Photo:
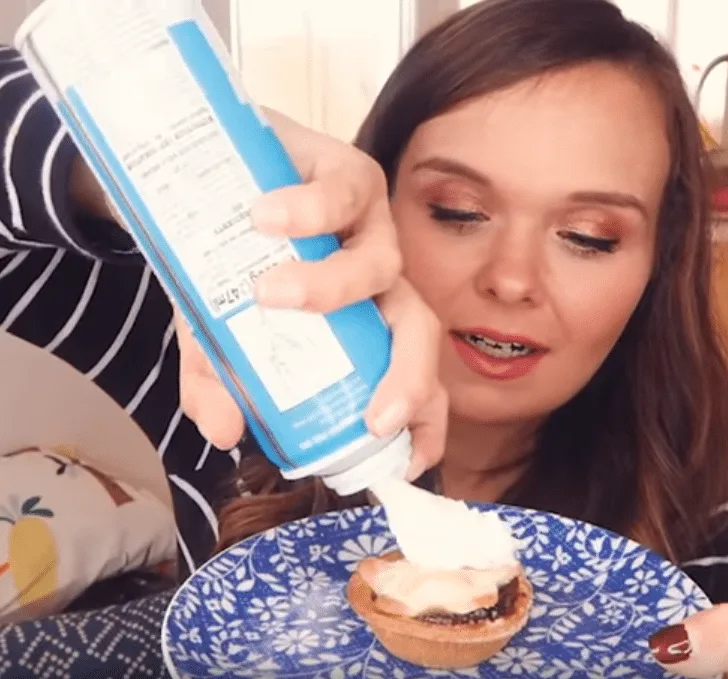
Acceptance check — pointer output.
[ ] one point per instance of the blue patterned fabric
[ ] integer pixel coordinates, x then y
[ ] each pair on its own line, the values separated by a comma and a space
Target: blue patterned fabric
119, 642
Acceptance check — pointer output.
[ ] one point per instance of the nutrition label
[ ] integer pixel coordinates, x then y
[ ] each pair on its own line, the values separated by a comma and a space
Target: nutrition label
179, 157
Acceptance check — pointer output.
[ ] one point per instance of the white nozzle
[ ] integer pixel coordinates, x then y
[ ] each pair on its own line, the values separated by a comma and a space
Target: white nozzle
390, 461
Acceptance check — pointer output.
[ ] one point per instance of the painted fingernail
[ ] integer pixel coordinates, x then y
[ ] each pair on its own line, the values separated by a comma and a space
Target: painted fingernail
671, 645
280, 292
269, 216
392, 419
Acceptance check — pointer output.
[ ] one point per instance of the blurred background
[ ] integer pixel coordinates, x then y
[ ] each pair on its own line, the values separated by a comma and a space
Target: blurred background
323, 61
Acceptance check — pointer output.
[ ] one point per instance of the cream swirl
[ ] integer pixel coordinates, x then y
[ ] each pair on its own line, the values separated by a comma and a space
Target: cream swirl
440, 534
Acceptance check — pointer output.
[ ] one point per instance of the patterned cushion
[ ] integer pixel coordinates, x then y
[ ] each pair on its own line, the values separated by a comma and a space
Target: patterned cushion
120, 642
65, 525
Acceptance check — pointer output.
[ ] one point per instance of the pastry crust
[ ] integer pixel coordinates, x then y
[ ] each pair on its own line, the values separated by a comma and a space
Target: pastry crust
439, 646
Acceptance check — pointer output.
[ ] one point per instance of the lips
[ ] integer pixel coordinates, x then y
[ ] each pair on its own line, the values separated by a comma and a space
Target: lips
502, 338
496, 355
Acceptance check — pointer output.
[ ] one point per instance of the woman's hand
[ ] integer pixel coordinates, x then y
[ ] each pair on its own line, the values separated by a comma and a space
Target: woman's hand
696, 648
344, 193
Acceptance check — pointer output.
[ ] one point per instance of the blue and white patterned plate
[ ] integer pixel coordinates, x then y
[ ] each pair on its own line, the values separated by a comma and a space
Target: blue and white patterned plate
275, 605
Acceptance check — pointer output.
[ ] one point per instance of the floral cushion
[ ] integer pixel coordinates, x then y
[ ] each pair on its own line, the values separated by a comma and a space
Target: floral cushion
65, 525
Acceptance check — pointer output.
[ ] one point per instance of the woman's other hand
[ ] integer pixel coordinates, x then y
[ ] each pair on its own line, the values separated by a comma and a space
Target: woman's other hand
697, 647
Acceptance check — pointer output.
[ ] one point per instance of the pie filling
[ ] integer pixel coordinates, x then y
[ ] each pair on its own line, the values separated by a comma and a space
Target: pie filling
507, 597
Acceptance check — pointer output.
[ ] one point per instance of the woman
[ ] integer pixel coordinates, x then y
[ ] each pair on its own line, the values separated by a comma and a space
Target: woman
548, 185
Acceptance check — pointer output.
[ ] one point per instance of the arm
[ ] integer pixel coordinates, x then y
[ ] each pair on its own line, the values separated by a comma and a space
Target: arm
48, 197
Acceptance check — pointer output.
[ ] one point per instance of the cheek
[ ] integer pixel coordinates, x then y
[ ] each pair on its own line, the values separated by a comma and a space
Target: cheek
430, 266
595, 312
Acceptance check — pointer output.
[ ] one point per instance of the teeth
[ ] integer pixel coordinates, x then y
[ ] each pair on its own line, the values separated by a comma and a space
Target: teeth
490, 347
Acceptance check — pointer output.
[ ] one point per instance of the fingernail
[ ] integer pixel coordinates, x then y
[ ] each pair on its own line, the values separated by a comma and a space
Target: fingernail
269, 216
280, 292
392, 419
671, 645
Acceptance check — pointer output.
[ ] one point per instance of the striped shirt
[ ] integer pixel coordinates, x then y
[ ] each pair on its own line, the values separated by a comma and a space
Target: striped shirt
77, 287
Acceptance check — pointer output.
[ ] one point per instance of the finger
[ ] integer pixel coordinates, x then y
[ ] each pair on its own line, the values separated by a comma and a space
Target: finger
349, 275
345, 201
208, 404
698, 647
203, 397
326, 204
429, 431
315, 153
412, 374
410, 393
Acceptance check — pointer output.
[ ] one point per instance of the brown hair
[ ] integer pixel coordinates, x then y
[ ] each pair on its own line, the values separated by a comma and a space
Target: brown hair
642, 449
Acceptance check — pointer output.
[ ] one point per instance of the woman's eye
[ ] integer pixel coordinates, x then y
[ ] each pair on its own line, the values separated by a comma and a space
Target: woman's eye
459, 219
589, 244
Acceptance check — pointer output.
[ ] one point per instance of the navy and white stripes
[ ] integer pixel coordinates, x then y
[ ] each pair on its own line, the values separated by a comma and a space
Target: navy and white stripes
75, 286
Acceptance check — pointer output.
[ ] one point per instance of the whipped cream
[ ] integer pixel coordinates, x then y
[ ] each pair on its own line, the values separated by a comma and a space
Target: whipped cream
406, 589
440, 534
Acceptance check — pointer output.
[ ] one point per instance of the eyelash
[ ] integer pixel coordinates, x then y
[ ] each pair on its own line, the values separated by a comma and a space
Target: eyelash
588, 245
461, 220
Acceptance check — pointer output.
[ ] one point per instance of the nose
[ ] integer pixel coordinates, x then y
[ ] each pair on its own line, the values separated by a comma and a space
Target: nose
511, 272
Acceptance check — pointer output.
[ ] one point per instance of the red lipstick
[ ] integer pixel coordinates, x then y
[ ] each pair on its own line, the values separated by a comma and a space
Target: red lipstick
494, 367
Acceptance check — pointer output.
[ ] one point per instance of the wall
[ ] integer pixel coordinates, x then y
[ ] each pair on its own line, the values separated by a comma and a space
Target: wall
697, 32
323, 61
295, 76
12, 12
314, 59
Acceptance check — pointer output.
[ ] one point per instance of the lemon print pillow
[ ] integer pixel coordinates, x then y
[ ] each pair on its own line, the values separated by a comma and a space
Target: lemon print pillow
65, 525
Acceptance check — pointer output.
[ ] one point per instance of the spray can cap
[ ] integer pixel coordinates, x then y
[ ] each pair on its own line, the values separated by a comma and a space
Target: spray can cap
392, 460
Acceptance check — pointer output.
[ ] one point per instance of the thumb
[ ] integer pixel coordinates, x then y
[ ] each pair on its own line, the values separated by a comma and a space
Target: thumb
203, 397
697, 647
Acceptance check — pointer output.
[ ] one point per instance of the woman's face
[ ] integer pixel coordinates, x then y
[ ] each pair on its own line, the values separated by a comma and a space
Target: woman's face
527, 221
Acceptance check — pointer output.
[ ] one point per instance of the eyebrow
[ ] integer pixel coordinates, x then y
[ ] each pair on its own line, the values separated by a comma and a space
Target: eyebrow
608, 198
448, 166
611, 199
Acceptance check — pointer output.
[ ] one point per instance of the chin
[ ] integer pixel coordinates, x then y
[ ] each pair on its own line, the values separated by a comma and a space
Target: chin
490, 402
482, 408
488, 407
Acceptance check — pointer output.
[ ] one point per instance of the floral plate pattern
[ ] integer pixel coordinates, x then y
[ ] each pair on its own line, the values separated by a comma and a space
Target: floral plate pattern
275, 605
